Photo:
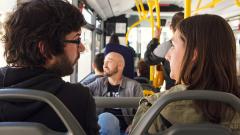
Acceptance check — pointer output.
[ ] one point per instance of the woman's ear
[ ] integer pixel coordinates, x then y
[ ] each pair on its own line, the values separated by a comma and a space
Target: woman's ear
195, 55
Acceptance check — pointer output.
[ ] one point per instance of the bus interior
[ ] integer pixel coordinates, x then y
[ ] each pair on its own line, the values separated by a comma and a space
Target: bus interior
133, 21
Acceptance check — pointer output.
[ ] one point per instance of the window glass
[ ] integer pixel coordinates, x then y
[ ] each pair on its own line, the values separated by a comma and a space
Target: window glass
6, 7
98, 24
87, 16
84, 62
237, 35
98, 42
132, 38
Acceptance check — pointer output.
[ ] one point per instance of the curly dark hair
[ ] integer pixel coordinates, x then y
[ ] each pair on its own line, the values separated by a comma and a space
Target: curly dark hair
45, 22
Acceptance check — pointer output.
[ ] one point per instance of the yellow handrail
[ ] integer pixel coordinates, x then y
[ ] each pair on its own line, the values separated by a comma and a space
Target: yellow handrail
138, 8
158, 13
153, 68
152, 26
144, 12
237, 2
143, 16
187, 11
131, 27
211, 4
150, 6
198, 4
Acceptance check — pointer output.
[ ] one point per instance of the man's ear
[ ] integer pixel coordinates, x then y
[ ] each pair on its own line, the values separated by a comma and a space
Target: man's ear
41, 48
93, 65
122, 65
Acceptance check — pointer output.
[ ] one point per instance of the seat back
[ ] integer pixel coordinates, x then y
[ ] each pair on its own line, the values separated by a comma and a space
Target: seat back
29, 128
145, 122
119, 102
197, 129
25, 128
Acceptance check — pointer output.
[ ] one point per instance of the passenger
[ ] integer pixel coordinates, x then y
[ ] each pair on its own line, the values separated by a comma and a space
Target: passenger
128, 55
142, 72
114, 39
98, 69
42, 44
155, 53
202, 57
116, 85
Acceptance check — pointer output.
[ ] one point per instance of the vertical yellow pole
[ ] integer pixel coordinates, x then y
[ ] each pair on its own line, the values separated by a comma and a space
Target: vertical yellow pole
152, 26
187, 8
198, 4
142, 9
157, 76
158, 13
138, 8
151, 16
237, 2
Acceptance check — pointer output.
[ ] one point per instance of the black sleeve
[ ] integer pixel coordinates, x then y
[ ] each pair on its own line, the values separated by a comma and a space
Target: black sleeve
92, 127
149, 57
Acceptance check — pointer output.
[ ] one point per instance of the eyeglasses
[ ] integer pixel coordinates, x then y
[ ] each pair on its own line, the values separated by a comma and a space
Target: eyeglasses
78, 41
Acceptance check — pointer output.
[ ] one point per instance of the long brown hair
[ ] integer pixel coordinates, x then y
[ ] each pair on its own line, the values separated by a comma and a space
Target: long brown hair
215, 66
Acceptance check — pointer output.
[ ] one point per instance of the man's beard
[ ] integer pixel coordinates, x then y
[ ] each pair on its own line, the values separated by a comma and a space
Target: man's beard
111, 73
63, 66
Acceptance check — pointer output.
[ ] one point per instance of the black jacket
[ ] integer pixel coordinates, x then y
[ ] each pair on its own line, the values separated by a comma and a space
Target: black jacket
75, 97
151, 59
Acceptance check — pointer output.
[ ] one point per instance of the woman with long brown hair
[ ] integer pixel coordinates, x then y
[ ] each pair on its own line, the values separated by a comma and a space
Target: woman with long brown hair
202, 56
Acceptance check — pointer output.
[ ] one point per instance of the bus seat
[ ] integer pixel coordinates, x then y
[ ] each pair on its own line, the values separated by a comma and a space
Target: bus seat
120, 102
32, 128
25, 128
197, 129
145, 122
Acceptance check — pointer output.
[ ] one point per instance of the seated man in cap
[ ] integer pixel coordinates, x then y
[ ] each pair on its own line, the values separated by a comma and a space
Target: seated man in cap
128, 55
114, 84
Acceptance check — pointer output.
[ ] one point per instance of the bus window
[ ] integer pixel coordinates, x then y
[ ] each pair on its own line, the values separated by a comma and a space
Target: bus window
84, 62
87, 16
98, 43
145, 38
132, 39
238, 52
6, 7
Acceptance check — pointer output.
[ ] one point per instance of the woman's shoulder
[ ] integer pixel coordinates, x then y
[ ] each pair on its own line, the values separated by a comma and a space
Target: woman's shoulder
176, 88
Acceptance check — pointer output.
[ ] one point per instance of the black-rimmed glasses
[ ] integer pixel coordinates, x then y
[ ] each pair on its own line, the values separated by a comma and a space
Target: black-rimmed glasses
78, 41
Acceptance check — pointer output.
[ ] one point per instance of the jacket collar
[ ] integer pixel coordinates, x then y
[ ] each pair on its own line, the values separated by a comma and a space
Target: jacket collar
122, 84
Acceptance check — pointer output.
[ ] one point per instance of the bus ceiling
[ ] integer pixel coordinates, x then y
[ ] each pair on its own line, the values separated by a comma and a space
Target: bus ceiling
109, 8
